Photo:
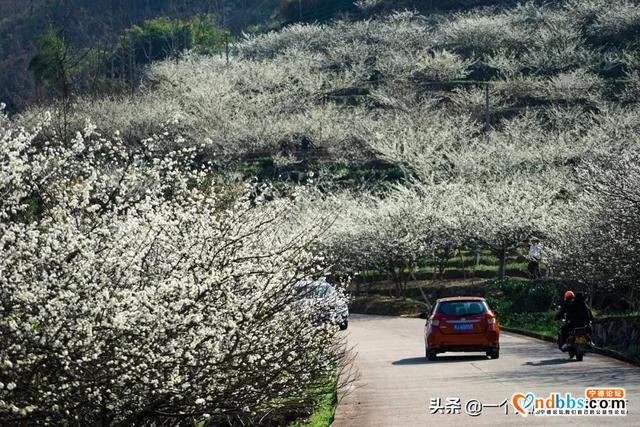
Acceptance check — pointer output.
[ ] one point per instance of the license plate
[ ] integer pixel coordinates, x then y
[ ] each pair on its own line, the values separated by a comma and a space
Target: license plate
581, 340
463, 326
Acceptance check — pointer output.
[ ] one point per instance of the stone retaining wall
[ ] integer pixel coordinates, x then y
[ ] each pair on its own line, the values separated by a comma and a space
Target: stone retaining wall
618, 333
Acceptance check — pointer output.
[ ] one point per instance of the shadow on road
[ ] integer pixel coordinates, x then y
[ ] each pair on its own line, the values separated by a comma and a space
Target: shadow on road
441, 359
549, 362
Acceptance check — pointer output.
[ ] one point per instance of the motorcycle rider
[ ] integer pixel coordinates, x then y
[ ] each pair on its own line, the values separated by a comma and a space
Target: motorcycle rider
576, 314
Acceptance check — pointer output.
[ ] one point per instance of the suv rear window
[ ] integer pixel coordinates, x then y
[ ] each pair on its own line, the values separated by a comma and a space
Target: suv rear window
315, 289
461, 308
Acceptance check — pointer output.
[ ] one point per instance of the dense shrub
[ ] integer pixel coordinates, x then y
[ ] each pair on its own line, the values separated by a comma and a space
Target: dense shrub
143, 292
528, 297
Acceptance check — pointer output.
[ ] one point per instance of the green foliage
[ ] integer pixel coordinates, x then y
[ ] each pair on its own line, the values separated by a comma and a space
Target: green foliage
50, 64
461, 265
34, 209
500, 306
542, 322
314, 10
206, 37
162, 38
88, 48
526, 305
324, 408
388, 306
527, 296
620, 315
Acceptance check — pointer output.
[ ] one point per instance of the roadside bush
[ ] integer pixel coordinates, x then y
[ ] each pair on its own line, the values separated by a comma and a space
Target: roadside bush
541, 322
387, 306
528, 297
500, 306
141, 295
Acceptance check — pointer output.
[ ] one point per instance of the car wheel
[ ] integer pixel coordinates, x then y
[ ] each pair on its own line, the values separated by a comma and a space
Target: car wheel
344, 325
494, 353
431, 355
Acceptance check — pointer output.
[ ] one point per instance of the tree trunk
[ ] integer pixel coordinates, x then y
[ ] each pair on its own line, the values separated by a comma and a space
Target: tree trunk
464, 267
398, 282
502, 259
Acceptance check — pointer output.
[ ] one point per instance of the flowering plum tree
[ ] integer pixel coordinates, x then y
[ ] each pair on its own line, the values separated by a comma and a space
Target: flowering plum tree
599, 244
500, 215
134, 289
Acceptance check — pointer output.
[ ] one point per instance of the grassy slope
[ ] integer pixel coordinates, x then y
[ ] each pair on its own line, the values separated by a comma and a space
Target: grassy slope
323, 410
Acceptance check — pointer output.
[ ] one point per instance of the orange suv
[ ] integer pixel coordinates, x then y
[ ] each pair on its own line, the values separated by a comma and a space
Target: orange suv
461, 324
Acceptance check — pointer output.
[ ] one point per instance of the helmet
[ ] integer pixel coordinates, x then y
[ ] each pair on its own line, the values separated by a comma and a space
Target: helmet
569, 295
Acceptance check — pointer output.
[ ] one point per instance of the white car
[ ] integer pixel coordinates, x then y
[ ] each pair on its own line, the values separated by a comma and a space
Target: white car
336, 304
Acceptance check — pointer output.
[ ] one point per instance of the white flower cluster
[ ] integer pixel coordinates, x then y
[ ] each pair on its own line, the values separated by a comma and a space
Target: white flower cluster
134, 288
599, 243
419, 222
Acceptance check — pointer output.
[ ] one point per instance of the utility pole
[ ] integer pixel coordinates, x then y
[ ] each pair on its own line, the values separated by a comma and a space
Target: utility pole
300, 8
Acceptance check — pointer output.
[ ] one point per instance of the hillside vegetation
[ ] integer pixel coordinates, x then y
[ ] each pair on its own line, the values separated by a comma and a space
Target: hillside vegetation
503, 122
101, 37
93, 31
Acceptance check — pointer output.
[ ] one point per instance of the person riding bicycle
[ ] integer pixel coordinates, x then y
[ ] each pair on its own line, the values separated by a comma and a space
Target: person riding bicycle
576, 314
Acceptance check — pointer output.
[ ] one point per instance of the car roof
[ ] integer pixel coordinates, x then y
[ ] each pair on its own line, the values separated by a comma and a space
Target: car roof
312, 283
449, 299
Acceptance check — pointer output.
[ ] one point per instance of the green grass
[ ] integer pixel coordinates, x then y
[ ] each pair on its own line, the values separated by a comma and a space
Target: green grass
458, 265
387, 306
314, 163
542, 322
616, 315
324, 410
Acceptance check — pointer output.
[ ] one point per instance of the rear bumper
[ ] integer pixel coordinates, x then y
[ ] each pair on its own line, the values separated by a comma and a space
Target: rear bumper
440, 342
464, 348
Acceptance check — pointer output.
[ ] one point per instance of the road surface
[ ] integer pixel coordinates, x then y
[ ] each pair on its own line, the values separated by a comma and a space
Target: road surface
396, 383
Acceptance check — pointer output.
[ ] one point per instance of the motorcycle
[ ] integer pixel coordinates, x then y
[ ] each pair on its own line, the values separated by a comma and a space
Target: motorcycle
579, 342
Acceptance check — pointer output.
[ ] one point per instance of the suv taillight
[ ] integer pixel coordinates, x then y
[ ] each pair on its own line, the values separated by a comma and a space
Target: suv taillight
491, 319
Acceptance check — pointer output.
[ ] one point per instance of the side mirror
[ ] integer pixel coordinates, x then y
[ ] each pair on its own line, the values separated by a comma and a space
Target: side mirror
423, 315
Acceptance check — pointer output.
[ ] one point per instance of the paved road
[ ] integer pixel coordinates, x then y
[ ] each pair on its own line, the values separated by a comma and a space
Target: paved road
396, 381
